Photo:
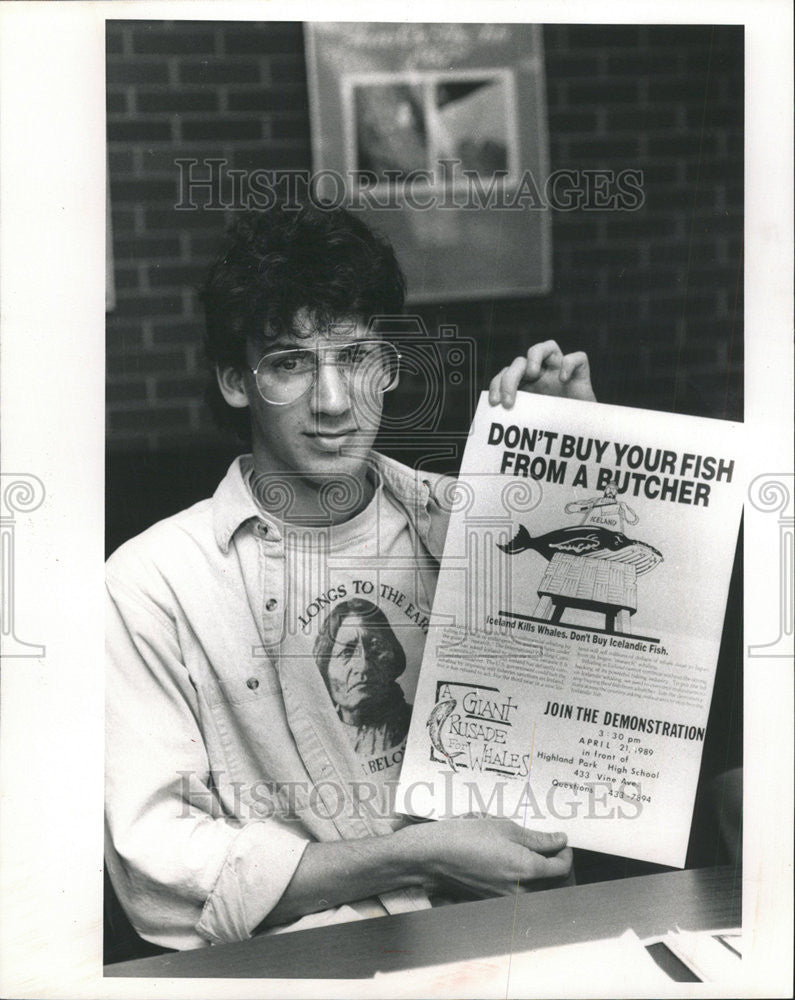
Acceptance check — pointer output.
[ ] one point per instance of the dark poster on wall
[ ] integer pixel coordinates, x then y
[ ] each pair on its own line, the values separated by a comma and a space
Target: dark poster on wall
438, 133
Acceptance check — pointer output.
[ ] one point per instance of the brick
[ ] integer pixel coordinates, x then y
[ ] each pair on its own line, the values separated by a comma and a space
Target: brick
123, 333
221, 129
114, 38
687, 305
149, 71
163, 161
124, 391
641, 119
659, 172
644, 62
674, 89
203, 247
578, 226
614, 310
293, 98
722, 62
126, 276
608, 149
627, 277
173, 221
123, 219
173, 275
184, 37
116, 102
584, 256
185, 387
178, 332
633, 226
290, 128
213, 71
147, 305
679, 36
144, 190
677, 252
692, 144
713, 170
146, 247
710, 275
265, 157
137, 131
572, 121
142, 418
287, 69
598, 92
149, 101
265, 38
715, 115
120, 161
668, 197
175, 439
601, 36
147, 363
560, 66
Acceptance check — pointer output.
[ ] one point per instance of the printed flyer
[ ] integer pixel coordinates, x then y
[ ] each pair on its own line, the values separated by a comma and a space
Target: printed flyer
570, 660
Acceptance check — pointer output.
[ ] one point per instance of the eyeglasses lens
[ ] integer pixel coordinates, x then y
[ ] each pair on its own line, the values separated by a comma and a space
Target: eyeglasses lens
369, 367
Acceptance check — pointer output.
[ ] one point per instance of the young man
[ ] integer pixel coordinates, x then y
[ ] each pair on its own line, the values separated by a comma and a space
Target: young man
236, 799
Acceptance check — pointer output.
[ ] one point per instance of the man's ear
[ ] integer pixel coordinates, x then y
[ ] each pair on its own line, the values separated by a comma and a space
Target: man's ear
231, 382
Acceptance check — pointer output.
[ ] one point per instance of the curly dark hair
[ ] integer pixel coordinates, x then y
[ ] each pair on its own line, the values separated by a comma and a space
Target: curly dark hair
275, 262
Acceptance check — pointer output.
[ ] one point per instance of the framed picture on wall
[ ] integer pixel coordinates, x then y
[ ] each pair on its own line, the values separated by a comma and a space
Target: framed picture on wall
438, 132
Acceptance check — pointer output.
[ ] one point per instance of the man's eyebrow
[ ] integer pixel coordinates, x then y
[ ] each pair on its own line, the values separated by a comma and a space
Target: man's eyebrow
283, 345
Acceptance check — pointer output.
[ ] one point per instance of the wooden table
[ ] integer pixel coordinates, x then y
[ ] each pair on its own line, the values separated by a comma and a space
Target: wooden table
702, 899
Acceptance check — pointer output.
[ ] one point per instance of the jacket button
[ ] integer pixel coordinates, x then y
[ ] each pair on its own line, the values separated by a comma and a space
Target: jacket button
252, 683
271, 604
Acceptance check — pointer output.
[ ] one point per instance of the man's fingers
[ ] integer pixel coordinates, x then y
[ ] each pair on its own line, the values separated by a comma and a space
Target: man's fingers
494, 388
542, 842
574, 365
510, 378
557, 866
540, 356
545, 370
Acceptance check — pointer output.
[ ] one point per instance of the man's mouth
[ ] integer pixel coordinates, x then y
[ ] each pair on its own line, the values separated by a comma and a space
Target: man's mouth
331, 439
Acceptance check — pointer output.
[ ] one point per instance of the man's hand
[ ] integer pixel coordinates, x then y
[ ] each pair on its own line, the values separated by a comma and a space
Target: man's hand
545, 369
485, 856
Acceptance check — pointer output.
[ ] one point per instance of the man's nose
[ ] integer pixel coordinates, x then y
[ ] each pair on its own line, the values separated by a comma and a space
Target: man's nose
330, 393
357, 662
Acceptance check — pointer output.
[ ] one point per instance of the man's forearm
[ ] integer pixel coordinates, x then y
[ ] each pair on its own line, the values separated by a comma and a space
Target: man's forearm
329, 874
482, 856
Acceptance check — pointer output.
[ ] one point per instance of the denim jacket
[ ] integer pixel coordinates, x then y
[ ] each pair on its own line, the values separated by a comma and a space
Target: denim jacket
221, 762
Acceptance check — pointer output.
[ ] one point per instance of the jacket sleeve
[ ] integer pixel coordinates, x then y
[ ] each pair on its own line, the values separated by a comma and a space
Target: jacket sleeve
185, 873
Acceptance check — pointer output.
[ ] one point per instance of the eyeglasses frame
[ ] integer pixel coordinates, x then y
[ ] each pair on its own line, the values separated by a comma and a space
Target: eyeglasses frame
315, 350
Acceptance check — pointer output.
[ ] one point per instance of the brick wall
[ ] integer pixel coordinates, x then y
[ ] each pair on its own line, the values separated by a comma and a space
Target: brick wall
654, 296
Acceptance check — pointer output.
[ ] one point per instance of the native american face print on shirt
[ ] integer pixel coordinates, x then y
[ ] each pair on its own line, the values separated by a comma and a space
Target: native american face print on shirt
360, 659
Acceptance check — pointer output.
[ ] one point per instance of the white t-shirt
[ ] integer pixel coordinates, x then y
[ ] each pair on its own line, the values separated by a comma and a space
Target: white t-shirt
358, 608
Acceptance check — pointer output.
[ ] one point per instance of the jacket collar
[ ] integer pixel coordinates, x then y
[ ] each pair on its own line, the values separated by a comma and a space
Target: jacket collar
233, 503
